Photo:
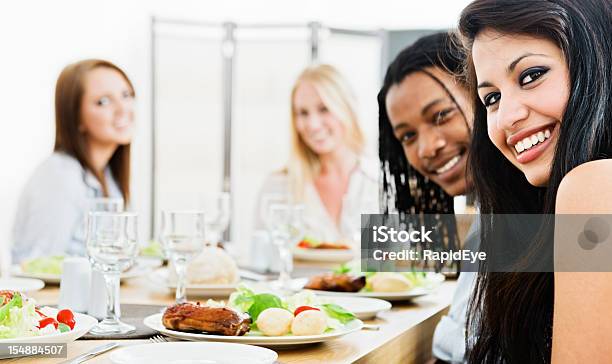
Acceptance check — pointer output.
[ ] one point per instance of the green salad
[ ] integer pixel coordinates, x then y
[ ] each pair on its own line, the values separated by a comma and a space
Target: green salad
300, 314
43, 265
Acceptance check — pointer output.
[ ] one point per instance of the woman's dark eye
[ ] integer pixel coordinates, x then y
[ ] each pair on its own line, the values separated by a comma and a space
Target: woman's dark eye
407, 137
303, 113
323, 109
127, 94
103, 101
443, 116
530, 75
491, 99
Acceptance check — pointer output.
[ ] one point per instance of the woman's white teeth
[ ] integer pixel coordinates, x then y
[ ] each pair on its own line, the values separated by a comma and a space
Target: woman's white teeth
532, 140
450, 164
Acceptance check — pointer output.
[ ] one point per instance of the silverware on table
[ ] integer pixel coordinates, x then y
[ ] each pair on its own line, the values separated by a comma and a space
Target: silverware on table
371, 327
91, 353
157, 339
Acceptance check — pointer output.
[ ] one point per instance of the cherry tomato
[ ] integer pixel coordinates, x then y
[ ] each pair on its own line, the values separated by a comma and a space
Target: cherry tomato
304, 308
66, 317
47, 321
304, 244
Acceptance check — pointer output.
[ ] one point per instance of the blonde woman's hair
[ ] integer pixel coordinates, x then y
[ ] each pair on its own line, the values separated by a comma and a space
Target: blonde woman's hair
338, 97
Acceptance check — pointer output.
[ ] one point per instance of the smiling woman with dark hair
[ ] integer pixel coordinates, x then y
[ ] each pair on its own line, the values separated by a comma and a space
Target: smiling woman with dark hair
94, 120
542, 139
424, 123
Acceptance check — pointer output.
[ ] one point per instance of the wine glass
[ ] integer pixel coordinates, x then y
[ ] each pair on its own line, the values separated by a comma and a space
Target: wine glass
182, 236
285, 224
217, 211
112, 246
267, 201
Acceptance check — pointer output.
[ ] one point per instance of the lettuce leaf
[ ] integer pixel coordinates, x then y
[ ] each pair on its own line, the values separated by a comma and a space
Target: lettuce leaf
18, 318
338, 312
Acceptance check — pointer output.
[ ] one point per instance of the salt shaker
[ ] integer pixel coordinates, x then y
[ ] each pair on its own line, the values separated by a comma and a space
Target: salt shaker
264, 254
98, 296
74, 284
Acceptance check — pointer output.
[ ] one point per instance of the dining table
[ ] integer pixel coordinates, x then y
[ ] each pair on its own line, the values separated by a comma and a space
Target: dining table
402, 334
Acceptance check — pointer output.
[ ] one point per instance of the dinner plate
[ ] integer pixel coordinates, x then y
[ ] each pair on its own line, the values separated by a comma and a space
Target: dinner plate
143, 266
388, 296
298, 284
363, 308
155, 322
193, 353
83, 323
160, 277
323, 255
21, 284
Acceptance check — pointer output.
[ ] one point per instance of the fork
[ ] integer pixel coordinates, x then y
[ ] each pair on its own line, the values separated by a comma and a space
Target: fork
158, 339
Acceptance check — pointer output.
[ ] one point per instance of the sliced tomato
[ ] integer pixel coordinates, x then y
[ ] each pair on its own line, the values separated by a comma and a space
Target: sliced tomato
47, 321
304, 308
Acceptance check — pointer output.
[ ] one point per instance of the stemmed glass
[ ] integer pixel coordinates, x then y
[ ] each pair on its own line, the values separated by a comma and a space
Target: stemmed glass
112, 246
182, 236
217, 212
285, 224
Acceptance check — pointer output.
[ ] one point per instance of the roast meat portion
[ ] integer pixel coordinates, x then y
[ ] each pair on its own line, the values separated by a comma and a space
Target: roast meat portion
336, 282
213, 320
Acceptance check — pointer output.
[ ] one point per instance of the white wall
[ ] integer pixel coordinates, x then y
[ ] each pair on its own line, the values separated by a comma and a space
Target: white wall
38, 38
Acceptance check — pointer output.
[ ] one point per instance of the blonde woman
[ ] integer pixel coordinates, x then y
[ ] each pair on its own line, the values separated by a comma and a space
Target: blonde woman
327, 171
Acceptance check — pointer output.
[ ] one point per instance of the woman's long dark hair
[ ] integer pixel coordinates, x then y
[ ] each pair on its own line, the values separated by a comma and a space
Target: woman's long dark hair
404, 190
510, 316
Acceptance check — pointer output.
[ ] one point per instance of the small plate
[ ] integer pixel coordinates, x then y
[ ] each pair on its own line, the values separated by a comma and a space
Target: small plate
21, 284
155, 322
323, 255
363, 308
160, 277
193, 353
83, 323
142, 267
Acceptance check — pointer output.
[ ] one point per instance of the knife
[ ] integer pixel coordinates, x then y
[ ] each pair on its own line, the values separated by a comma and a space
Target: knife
91, 353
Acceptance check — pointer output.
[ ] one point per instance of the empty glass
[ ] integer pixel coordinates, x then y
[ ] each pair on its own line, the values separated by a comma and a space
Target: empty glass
286, 227
182, 236
112, 246
217, 211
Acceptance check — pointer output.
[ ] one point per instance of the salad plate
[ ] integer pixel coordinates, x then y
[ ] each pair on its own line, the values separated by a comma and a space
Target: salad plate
363, 308
22, 322
193, 352
21, 284
49, 269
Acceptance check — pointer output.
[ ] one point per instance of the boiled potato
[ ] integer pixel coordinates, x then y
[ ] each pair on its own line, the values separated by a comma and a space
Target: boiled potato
309, 322
390, 282
274, 321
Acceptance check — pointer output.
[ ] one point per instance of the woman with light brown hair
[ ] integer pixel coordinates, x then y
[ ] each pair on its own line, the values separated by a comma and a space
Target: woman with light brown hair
94, 119
327, 171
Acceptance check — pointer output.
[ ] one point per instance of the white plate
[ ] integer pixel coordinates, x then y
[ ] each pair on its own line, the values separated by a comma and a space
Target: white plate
154, 322
83, 323
388, 296
160, 277
143, 266
21, 284
363, 308
193, 353
323, 255
298, 284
